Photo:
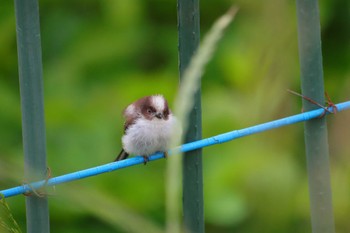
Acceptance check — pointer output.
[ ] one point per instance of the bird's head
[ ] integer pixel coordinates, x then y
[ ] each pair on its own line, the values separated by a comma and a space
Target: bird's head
153, 107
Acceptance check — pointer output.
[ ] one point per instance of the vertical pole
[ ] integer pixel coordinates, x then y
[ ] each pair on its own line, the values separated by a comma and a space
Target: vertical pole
310, 55
33, 126
188, 27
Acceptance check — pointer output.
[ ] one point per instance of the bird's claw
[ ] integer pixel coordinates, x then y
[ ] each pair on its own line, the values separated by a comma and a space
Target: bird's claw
145, 159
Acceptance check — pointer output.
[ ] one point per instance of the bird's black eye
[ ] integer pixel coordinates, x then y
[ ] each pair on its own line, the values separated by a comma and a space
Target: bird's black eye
151, 110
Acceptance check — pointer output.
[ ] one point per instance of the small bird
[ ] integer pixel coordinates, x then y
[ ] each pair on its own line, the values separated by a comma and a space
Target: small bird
148, 127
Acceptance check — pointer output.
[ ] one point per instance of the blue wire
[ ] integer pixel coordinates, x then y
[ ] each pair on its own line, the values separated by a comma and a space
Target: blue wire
222, 138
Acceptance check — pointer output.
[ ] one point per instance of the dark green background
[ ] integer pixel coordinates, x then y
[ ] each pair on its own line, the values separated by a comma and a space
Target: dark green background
99, 56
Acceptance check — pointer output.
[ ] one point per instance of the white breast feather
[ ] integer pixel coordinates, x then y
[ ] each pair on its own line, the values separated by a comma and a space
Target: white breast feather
146, 137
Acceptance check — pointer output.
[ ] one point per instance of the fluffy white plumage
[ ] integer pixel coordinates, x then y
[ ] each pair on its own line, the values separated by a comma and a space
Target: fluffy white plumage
149, 126
146, 137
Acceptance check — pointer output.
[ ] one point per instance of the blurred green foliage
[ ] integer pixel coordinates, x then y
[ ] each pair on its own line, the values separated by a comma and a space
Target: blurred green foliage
99, 56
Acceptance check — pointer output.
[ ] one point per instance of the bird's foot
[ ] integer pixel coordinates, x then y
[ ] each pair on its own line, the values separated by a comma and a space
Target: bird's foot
145, 159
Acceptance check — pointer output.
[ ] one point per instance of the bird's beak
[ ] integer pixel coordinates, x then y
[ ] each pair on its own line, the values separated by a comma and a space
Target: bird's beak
159, 115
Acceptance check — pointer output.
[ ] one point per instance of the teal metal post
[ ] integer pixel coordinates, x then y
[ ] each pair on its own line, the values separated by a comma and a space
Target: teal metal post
188, 27
33, 126
310, 55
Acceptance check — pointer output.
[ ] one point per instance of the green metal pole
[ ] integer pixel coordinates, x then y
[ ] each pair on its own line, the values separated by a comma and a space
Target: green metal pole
310, 55
33, 125
188, 27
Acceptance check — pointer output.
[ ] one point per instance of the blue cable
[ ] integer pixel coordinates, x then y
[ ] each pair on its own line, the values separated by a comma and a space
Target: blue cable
221, 138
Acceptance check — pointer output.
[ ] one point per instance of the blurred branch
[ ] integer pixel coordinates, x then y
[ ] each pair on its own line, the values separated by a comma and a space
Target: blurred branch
316, 135
32, 106
188, 110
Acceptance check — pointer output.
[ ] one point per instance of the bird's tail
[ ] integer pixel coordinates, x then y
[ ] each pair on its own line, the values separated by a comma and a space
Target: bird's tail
122, 155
